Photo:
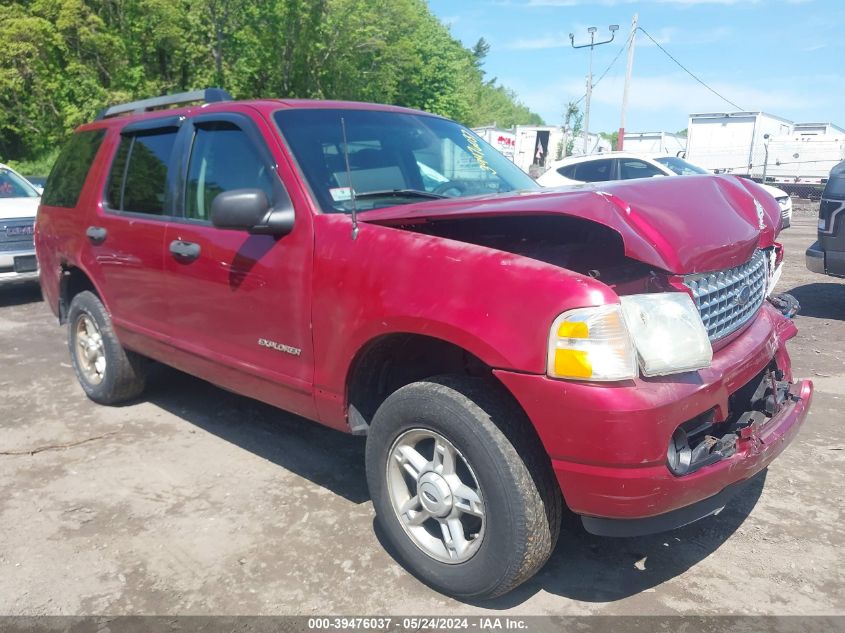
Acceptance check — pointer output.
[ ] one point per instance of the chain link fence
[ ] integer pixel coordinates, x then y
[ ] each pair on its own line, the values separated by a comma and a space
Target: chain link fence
800, 173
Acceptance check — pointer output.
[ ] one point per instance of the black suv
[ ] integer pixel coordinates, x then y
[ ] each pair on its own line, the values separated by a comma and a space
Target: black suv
827, 254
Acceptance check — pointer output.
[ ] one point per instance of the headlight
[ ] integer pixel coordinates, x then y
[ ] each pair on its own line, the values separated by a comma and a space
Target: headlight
662, 333
591, 344
785, 203
667, 332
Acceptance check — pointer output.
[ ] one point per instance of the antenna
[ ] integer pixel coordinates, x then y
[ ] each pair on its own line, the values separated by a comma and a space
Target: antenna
349, 180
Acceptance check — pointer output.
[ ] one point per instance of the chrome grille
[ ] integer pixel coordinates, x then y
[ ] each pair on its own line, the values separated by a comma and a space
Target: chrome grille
728, 299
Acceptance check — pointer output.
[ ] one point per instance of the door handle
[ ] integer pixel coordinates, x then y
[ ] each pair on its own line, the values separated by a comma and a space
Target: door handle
184, 251
96, 234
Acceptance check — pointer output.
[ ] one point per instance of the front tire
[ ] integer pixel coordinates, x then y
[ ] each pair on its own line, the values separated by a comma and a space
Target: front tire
462, 488
108, 373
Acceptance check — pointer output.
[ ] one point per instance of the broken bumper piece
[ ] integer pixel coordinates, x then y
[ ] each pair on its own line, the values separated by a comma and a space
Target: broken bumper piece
756, 437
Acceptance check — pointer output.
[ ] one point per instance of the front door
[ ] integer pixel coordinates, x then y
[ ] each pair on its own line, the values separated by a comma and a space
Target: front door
238, 304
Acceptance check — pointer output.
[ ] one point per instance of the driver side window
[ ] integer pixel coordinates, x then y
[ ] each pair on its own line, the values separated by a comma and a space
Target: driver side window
222, 159
631, 169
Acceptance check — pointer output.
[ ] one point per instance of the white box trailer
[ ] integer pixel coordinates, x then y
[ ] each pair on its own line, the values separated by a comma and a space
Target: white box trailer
732, 142
816, 129
651, 143
536, 147
502, 140
802, 158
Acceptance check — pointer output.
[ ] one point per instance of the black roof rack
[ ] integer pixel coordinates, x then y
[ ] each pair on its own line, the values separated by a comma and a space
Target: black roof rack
209, 95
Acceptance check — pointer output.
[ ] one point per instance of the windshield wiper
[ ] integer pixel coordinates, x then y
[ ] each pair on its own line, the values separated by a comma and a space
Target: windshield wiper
398, 193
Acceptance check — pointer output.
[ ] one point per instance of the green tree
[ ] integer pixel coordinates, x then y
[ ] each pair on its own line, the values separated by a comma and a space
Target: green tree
63, 60
613, 137
572, 121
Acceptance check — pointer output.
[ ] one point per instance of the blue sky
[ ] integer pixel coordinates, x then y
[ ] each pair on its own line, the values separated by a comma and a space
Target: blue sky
780, 56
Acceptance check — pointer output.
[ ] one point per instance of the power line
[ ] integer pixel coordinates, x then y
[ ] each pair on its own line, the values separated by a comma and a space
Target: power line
606, 70
686, 70
610, 65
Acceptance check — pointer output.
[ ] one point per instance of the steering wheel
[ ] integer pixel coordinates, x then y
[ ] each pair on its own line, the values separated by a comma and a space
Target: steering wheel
451, 189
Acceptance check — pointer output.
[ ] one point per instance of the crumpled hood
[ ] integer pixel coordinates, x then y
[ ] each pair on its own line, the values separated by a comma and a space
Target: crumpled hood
681, 225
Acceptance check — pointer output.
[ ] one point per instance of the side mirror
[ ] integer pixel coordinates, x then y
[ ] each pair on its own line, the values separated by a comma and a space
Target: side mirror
249, 210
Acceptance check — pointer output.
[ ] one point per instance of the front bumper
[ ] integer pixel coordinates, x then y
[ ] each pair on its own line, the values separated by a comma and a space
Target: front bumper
786, 213
818, 262
668, 521
608, 443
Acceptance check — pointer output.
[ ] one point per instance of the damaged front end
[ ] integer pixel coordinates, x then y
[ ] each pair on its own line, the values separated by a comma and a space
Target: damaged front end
571, 243
703, 441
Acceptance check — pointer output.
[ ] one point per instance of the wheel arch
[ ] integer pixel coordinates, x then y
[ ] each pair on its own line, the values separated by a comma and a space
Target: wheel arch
73, 280
388, 362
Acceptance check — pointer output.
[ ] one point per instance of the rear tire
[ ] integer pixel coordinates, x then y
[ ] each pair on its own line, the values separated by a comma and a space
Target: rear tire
479, 522
108, 373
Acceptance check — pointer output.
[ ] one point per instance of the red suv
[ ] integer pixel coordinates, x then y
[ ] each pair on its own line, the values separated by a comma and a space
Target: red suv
506, 349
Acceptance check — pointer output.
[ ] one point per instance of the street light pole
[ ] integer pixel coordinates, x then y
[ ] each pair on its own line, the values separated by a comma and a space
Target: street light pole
593, 43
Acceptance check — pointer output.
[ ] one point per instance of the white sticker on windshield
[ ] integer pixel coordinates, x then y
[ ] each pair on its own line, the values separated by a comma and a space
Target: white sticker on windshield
339, 194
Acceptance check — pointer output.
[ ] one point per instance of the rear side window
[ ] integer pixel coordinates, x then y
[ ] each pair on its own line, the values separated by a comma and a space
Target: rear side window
68, 174
593, 170
567, 172
138, 177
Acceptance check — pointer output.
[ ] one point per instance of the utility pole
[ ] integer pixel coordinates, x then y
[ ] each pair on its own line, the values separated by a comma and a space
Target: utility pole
593, 43
589, 97
620, 140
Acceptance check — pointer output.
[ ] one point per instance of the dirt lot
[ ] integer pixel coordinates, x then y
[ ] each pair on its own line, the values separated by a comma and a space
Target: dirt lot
198, 501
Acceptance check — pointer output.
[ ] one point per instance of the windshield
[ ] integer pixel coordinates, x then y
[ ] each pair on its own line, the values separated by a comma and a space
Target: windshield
835, 187
680, 166
13, 186
394, 158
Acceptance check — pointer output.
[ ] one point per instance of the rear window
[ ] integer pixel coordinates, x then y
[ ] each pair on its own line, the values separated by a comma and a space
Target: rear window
138, 177
68, 174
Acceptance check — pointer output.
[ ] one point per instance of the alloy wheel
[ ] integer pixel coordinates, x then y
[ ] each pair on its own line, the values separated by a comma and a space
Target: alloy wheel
90, 352
436, 496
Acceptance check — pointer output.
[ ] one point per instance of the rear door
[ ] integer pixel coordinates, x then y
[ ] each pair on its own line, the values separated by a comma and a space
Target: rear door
127, 233
239, 304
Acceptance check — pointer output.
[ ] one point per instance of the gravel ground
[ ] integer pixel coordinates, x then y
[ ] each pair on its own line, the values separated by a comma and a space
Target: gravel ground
197, 501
